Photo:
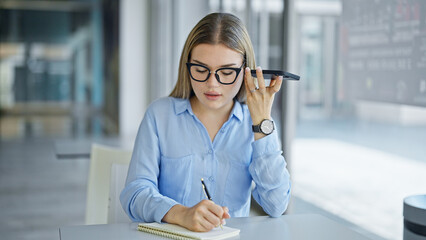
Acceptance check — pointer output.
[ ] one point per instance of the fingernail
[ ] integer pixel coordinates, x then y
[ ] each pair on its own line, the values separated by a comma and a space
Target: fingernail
223, 222
258, 68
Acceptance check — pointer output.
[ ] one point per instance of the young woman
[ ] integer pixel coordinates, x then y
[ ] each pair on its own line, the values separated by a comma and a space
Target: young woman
214, 125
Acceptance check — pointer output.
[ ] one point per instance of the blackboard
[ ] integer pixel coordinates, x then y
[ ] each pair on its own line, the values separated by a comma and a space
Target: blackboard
383, 50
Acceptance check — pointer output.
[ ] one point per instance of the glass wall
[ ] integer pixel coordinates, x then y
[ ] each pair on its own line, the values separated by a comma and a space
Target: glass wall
53, 80
361, 128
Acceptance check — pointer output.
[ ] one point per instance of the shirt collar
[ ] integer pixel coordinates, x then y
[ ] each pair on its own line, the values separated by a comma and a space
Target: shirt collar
182, 105
237, 111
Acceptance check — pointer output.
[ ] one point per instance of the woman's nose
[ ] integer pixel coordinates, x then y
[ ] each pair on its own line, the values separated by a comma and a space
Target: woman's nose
213, 81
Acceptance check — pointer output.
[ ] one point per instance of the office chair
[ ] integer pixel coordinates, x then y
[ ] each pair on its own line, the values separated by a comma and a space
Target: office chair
107, 176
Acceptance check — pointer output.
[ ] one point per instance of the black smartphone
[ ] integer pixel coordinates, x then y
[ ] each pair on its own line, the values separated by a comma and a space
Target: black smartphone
269, 74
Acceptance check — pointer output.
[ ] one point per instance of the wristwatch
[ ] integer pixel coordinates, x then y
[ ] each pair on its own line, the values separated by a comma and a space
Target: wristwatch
266, 127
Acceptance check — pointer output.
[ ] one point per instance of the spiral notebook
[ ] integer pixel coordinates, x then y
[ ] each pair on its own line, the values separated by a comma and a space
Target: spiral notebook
176, 232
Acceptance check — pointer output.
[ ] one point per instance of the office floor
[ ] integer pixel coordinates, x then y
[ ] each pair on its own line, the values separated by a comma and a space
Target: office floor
39, 194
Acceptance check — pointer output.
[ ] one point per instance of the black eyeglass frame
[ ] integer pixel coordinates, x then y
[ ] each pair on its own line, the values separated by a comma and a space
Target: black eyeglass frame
237, 70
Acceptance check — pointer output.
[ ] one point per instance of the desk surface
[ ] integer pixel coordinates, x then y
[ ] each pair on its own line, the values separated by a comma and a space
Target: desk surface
303, 226
80, 148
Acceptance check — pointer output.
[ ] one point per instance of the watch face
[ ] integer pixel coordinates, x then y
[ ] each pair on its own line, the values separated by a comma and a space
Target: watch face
267, 126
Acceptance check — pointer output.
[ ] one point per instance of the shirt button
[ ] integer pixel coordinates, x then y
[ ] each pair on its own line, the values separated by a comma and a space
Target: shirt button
222, 131
210, 151
211, 179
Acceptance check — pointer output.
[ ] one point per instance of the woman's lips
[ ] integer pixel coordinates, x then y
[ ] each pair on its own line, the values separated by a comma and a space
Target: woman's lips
212, 95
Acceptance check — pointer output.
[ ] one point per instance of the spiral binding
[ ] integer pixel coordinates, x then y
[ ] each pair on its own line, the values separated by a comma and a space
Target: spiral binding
165, 233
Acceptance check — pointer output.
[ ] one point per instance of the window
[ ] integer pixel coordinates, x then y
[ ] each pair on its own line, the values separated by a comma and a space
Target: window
359, 144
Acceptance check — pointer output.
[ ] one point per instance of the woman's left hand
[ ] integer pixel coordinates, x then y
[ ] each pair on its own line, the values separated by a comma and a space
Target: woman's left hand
260, 100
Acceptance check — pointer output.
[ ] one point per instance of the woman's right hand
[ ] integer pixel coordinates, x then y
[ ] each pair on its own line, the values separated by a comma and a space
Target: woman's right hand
202, 217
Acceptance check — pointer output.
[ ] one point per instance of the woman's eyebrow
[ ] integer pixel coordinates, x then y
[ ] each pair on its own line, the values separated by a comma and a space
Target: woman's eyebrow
225, 65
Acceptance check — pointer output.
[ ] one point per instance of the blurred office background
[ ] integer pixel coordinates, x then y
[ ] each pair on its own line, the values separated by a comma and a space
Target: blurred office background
353, 128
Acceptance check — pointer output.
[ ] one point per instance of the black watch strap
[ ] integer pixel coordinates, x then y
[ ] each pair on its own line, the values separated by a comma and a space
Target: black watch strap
256, 128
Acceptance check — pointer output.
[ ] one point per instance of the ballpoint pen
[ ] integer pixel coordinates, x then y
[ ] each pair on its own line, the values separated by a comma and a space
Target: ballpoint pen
206, 192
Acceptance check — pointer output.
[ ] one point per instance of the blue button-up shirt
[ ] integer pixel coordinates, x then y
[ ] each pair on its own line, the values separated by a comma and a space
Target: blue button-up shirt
173, 151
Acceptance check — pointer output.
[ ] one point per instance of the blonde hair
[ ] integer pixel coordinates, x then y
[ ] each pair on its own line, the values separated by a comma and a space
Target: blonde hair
215, 28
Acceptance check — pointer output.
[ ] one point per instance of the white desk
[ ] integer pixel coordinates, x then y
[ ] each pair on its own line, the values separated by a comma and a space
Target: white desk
288, 227
80, 148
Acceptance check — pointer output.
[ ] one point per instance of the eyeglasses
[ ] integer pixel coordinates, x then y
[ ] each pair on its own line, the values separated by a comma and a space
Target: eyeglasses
201, 73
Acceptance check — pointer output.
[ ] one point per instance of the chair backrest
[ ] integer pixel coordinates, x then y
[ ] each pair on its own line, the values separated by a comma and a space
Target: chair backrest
118, 180
107, 175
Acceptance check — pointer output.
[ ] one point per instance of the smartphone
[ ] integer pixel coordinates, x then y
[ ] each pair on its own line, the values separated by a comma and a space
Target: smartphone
269, 74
